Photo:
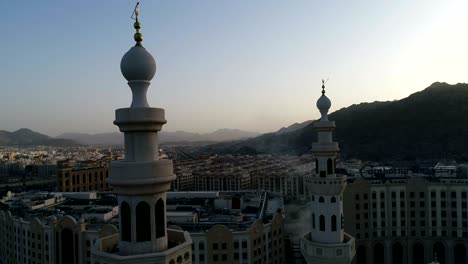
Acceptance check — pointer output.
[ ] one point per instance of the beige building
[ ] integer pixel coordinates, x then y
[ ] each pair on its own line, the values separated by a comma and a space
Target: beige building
258, 243
184, 180
34, 230
232, 227
228, 173
222, 180
408, 220
83, 177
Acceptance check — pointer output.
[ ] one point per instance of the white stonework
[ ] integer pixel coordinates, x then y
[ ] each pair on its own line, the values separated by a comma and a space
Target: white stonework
142, 179
327, 241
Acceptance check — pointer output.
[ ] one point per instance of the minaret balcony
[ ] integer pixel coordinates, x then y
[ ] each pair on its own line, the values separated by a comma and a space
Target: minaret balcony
106, 250
324, 125
320, 253
327, 186
325, 147
139, 178
139, 119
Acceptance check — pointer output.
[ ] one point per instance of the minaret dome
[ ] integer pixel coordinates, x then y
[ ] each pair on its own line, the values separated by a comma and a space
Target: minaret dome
323, 103
138, 65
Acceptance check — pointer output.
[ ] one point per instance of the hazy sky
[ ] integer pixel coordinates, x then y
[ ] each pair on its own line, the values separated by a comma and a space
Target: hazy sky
249, 64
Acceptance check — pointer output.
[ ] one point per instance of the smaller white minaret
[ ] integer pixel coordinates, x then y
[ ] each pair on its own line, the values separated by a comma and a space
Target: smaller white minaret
327, 241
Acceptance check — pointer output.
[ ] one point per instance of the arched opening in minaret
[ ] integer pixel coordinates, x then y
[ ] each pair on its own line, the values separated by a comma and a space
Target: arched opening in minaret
333, 223
379, 254
313, 220
418, 254
321, 199
67, 246
322, 223
397, 253
143, 222
329, 166
333, 199
126, 221
361, 255
459, 252
159, 218
439, 249
316, 166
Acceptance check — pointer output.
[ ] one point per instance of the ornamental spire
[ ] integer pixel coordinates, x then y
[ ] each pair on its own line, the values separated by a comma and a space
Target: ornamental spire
323, 87
138, 36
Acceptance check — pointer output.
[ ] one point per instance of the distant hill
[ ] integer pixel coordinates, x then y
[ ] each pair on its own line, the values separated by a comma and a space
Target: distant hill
27, 137
293, 127
429, 124
116, 138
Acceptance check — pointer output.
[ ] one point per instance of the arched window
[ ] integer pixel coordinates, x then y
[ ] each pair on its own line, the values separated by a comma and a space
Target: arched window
329, 166
313, 220
160, 219
333, 200
418, 254
126, 221
397, 253
316, 166
322, 223
361, 255
459, 251
379, 254
67, 246
439, 249
143, 222
321, 199
333, 223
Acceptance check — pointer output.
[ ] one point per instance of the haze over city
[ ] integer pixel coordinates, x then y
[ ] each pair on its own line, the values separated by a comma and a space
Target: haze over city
252, 65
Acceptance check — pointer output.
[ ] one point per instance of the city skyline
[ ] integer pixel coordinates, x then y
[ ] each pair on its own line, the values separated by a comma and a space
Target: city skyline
253, 66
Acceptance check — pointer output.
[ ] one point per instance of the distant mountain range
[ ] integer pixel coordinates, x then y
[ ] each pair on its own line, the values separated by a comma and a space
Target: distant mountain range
293, 127
27, 137
430, 124
116, 138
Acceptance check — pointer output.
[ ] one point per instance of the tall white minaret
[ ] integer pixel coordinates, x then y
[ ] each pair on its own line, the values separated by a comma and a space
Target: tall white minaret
327, 191
327, 241
142, 179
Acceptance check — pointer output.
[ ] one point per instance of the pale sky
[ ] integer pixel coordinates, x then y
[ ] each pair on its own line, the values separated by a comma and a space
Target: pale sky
255, 65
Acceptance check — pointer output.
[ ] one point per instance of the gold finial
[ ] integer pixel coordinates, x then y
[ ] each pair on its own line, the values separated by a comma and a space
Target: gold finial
138, 36
323, 87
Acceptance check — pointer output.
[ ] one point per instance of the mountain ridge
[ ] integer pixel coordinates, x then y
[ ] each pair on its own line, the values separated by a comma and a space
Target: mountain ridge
116, 138
27, 137
431, 123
